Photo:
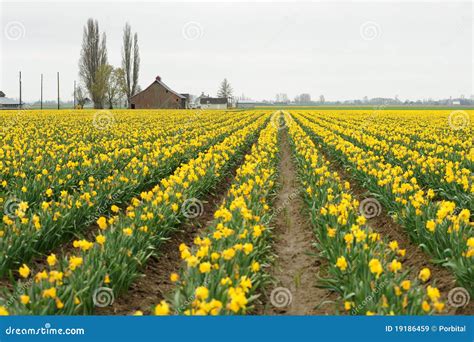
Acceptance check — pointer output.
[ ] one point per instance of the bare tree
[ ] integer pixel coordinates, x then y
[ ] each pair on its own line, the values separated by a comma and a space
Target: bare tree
225, 89
130, 62
322, 99
81, 97
93, 56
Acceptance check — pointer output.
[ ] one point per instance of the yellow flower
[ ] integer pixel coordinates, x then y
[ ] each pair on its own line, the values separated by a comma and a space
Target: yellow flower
226, 281
102, 222
138, 313
395, 266
115, 209
202, 293
24, 271
127, 231
50, 293
393, 245
431, 225
375, 267
3, 311
174, 277
59, 304
341, 263
205, 267
255, 266
406, 285
192, 261
49, 192
433, 293
347, 306
248, 248
425, 274
439, 306
52, 260
425, 306
228, 254
331, 232
100, 239
24, 299
162, 309
74, 262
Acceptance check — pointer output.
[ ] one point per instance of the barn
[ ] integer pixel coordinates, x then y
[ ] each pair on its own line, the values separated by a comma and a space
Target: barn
159, 96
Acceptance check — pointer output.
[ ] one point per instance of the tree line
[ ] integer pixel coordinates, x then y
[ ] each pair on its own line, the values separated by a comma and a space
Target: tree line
101, 83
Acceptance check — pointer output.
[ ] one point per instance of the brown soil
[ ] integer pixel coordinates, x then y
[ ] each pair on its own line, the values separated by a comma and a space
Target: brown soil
296, 266
155, 284
415, 258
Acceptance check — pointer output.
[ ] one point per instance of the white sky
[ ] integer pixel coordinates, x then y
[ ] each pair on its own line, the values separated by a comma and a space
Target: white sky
420, 50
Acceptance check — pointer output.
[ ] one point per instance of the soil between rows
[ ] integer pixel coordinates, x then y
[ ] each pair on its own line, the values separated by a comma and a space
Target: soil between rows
296, 266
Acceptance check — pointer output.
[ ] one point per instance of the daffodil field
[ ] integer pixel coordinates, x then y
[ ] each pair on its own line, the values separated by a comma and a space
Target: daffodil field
90, 198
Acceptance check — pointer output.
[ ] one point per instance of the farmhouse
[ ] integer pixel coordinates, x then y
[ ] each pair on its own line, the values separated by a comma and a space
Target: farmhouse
213, 102
159, 96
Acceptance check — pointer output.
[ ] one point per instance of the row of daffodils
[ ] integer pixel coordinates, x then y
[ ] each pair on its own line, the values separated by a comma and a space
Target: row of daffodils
37, 227
434, 162
440, 228
366, 270
116, 254
224, 270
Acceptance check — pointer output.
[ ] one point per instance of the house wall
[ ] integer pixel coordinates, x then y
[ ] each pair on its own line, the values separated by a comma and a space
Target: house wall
157, 97
213, 106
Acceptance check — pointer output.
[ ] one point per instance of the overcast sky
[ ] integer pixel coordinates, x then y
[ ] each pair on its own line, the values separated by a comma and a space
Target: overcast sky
344, 50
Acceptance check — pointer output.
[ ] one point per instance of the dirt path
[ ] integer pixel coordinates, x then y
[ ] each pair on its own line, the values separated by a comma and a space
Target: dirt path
296, 265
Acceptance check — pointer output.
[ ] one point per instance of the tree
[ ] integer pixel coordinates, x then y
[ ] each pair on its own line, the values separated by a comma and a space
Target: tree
101, 84
130, 62
2, 94
93, 57
81, 98
322, 99
225, 89
303, 98
115, 88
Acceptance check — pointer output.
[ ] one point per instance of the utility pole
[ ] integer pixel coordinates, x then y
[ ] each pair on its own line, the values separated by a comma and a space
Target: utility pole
41, 91
58, 90
20, 89
74, 94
